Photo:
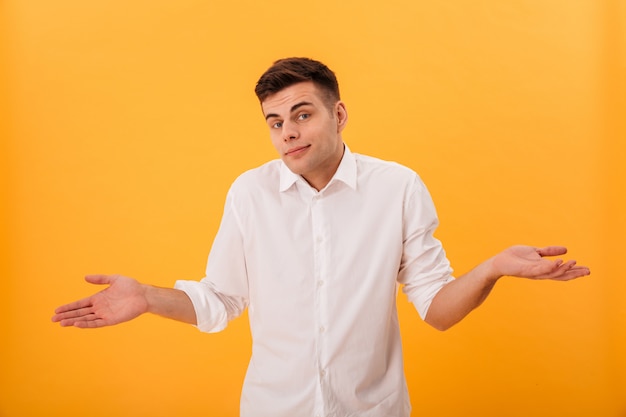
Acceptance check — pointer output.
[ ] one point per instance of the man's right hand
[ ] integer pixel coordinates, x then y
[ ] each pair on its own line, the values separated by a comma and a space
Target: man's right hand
123, 300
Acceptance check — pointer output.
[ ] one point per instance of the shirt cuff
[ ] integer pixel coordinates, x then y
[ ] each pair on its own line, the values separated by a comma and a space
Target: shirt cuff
211, 316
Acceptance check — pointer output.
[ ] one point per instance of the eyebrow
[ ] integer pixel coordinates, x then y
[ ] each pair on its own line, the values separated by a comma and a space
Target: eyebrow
293, 109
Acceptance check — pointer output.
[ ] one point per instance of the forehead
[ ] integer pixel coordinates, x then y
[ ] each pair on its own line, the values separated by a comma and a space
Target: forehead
282, 101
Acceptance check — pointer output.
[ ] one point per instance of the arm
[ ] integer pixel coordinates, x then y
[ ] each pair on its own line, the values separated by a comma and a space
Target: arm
124, 300
459, 297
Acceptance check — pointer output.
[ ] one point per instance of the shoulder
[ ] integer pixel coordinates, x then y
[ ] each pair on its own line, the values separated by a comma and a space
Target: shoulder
371, 168
390, 180
260, 179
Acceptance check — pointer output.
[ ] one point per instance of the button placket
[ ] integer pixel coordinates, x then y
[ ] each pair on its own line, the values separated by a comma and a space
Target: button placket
319, 224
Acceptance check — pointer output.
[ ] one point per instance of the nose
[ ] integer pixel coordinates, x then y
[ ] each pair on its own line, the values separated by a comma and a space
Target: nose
290, 131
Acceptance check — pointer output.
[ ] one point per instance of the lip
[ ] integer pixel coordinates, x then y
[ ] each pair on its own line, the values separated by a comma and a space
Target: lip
296, 150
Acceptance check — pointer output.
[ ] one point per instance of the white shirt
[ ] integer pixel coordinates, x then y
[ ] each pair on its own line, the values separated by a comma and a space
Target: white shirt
319, 273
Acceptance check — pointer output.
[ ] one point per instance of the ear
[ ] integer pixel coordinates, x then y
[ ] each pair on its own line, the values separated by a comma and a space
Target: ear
341, 113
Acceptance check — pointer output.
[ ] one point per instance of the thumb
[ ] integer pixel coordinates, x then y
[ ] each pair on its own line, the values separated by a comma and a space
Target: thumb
100, 279
552, 251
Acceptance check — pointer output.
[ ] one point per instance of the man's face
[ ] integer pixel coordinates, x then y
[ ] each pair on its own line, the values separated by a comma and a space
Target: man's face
306, 132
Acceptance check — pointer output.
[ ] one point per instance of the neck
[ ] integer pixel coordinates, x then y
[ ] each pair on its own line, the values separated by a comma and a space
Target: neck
320, 181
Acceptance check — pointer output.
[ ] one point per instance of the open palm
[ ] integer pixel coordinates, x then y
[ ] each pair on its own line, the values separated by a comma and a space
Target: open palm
530, 262
122, 301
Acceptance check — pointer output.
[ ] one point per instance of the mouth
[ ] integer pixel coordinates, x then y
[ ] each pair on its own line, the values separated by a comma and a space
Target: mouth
297, 150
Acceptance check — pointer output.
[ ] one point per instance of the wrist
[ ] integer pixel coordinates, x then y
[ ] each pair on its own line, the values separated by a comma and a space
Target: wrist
150, 297
492, 272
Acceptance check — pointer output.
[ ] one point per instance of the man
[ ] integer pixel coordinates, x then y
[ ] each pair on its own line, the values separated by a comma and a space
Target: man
315, 245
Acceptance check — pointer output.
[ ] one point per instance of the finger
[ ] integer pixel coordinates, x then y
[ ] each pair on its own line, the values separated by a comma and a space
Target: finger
573, 273
99, 279
561, 268
82, 321
546, 269
85, 302
73, 314
563, 272
90, 324
68, 318
76, 305
552, 251
86, 322
69, 322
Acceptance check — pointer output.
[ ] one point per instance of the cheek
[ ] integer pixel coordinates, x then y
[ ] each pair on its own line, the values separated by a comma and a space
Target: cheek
276, 141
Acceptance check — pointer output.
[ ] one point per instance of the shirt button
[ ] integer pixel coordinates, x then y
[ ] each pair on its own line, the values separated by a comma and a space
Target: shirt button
322, 329
323, 373
320, 283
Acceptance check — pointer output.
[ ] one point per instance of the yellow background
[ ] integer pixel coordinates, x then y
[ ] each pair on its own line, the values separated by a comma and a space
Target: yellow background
124, 122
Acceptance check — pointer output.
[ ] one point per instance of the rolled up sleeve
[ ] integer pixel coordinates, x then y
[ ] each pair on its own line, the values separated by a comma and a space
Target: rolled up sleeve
424, 268
222, 294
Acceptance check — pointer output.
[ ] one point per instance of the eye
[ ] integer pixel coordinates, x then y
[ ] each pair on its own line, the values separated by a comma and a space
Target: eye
276, 125
303, 116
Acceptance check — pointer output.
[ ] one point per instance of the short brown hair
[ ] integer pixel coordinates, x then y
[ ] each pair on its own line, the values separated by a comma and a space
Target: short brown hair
289, 71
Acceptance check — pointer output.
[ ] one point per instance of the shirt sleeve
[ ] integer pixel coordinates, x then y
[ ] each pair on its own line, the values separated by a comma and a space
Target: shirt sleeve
424, 267
222, 294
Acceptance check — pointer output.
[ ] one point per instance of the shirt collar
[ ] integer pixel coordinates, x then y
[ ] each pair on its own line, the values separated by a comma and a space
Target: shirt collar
346, 172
